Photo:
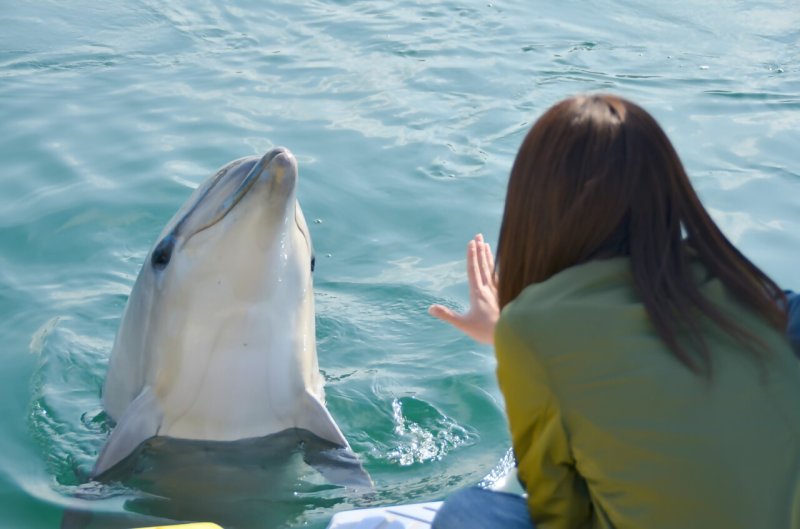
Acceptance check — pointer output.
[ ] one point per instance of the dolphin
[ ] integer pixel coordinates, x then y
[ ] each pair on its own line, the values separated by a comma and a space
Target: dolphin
217, 340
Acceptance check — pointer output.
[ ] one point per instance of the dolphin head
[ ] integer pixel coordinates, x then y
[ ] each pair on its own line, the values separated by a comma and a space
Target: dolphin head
243, 228
220, 323
265, 185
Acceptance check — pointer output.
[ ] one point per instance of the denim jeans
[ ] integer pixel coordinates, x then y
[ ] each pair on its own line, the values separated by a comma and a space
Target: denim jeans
477, 508
793, 330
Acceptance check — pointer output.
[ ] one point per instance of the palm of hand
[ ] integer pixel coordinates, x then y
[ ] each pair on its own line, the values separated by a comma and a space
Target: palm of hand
480, 319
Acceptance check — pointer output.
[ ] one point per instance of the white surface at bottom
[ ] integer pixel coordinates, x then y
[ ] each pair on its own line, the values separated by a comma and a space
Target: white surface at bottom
414, 516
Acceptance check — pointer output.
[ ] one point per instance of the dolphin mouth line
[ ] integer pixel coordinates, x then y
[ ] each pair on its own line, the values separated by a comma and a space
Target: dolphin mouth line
245, 186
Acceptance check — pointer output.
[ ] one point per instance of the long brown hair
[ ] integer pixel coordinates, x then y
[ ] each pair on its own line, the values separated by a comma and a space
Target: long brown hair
597, 177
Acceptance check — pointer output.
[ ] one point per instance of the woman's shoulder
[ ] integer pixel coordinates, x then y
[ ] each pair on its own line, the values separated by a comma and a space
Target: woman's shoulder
585, 315
591, 314
588, 287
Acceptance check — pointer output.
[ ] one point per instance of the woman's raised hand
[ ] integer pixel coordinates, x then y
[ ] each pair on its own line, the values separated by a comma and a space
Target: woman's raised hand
479, 321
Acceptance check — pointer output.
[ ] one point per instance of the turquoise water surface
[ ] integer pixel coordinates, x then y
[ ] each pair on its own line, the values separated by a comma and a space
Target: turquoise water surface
404, 117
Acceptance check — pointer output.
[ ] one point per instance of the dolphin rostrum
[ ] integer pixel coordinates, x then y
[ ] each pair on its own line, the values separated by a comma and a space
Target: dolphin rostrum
217, 341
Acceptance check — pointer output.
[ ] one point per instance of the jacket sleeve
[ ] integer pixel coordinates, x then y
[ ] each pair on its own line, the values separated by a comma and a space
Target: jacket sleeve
557, 495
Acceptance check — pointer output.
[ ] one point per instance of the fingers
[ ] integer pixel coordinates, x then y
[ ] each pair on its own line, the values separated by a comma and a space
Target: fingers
444, 314
480, 329
473, 267
479, 321
490, 266
483, 261
484, 247
489, 256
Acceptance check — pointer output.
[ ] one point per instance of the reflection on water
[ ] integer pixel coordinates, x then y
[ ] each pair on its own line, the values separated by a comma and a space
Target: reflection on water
246, 483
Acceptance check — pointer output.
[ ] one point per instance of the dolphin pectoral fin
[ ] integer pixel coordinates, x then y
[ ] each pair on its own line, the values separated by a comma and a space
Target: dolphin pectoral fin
316, 418
140, 422
338, 464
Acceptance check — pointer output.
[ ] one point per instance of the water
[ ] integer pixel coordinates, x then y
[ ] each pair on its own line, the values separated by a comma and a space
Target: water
405, 117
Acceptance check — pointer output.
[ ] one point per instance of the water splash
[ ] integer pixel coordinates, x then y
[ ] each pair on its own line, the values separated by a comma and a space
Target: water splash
424, 433
499, 475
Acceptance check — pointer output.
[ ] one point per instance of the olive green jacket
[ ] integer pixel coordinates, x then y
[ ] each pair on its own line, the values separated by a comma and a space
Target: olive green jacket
611, 431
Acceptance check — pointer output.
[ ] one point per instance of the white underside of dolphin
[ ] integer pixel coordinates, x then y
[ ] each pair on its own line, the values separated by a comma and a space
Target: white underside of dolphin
217, 341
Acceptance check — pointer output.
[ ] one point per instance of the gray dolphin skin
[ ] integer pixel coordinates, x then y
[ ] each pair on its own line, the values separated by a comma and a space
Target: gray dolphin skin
217, 341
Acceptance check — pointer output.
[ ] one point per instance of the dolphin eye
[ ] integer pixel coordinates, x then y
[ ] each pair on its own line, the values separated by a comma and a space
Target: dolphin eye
313, 263
163, 253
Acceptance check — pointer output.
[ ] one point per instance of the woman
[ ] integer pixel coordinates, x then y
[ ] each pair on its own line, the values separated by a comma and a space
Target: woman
643, 359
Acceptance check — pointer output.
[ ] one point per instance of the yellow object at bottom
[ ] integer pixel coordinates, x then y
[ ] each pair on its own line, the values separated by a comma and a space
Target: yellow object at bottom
204, 525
